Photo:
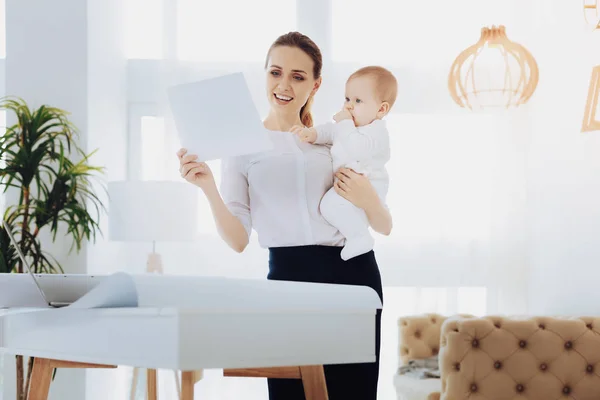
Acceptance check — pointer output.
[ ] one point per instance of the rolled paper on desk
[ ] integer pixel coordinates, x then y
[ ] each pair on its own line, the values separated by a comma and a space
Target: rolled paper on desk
117, 290
225, 294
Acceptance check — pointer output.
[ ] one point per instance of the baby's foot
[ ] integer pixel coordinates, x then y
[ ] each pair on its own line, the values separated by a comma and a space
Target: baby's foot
357, 246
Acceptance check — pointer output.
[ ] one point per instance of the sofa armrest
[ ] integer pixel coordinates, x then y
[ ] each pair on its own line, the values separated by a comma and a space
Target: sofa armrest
419, 336
534, 357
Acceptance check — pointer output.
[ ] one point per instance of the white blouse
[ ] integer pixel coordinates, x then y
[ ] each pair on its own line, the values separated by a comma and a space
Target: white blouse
277, 193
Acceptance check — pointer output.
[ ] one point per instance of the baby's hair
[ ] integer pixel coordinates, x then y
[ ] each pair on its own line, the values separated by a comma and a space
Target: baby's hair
386, 85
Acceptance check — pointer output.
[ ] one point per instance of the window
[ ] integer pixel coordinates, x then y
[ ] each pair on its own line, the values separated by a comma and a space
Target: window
405, 32
440, 173
153, 146
206, 32
2, 30
472, 300
157, 158
144, 29
407, 301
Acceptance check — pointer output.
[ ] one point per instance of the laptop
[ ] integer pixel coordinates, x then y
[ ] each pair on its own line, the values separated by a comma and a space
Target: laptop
54, 304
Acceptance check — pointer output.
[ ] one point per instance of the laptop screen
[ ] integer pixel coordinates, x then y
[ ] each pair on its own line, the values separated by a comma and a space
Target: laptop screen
25, 262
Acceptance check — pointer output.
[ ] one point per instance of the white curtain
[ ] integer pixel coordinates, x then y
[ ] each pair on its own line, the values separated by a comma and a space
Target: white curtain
458, 189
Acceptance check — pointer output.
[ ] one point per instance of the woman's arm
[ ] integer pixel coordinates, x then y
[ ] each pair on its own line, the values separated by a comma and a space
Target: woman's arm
379, 217
358, 190
230, 228
233, 227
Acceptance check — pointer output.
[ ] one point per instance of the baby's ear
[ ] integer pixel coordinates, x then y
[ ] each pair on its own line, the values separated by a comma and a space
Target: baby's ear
383, 108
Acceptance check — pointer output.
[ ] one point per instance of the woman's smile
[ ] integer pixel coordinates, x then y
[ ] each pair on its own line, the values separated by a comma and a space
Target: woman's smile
282, 99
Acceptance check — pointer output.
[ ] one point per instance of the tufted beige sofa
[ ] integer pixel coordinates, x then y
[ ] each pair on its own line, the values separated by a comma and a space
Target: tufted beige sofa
520, 358
419, 338
488, 358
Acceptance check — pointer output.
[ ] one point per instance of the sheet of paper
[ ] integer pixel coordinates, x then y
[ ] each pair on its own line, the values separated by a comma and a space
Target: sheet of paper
216, 118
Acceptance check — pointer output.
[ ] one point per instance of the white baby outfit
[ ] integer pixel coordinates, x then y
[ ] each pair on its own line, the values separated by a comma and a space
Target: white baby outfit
366, 150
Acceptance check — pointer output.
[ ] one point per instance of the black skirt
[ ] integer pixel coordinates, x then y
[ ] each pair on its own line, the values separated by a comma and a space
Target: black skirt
322, 264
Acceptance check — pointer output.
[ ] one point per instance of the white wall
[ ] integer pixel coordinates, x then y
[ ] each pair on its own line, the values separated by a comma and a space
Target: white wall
69, 54
564, 168
107, 132
107, 112
46, 63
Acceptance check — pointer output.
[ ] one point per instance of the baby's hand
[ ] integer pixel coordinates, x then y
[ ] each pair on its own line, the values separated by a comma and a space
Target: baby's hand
342, 115
308, 135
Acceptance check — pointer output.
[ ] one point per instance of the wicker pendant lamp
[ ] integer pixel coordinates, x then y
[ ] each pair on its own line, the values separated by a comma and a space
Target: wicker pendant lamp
493, 73
590, 13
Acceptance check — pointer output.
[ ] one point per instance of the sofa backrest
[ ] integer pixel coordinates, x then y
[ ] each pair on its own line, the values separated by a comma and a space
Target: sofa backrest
521, 357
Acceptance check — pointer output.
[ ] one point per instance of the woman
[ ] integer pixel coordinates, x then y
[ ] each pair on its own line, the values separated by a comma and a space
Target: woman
278, 193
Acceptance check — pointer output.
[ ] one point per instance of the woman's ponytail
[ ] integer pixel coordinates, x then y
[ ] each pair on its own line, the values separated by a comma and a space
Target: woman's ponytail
305, 115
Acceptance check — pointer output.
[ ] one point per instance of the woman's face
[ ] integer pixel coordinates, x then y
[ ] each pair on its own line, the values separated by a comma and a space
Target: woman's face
290, 79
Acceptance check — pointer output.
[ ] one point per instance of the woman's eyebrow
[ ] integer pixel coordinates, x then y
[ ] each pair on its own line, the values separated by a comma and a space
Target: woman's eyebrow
294, 70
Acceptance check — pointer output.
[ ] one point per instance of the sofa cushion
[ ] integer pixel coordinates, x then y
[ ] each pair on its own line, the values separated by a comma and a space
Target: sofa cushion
410, 388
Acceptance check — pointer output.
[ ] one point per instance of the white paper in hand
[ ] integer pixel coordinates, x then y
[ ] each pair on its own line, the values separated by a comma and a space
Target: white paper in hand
216, 118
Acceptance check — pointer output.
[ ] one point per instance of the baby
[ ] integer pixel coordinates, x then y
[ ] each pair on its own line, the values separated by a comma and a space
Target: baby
360, 141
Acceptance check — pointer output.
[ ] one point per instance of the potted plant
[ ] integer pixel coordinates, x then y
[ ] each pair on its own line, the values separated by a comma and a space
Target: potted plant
41, 160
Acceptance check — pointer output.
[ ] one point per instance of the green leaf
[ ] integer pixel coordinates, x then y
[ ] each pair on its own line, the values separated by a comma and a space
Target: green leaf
54, 176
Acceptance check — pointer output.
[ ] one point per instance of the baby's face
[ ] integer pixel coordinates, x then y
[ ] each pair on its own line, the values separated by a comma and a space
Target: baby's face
362, 101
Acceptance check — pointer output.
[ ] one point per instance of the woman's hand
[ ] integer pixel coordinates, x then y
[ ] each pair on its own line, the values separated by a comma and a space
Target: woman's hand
356, 188
196, 173
229, 226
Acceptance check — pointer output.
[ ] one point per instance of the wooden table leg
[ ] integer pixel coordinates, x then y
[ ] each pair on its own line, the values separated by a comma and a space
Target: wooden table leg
41, 375
187, 385
313, 377
151, 383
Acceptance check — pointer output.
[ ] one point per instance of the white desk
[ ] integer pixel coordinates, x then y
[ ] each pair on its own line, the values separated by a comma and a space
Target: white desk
282, 324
